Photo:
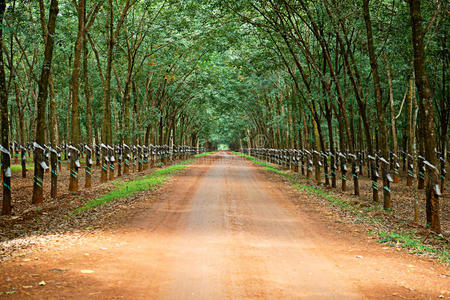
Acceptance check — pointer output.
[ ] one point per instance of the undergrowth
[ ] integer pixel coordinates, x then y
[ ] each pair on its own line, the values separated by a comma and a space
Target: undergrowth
405, 239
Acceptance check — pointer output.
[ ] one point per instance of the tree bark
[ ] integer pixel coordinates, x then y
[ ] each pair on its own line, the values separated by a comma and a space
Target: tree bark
392, 115
75, 125
52, 112
38, 196
410, 130
6, 158
106, 123
53, 142
20, 124
379, 102
425, 104
87, 95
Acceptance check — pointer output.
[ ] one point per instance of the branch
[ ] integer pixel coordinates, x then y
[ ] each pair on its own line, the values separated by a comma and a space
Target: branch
92, 14
25, 55
403, 102
122, 17
436, 12
97, 58
42, 20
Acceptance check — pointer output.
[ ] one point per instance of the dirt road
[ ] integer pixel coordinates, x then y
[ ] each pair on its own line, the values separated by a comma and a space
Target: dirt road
224, 229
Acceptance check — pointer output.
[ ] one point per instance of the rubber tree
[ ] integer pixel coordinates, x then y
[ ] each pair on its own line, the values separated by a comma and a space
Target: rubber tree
52, 114
378, 101
5, 159
426, 106
83, 27
38, 195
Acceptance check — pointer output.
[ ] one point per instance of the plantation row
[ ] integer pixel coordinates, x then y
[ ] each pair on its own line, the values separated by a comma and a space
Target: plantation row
115, 160
332, 163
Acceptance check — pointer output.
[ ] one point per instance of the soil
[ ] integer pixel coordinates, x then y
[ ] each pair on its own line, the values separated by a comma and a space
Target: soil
222, 229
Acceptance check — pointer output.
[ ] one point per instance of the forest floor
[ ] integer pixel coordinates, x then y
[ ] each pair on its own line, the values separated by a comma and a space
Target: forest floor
222, 228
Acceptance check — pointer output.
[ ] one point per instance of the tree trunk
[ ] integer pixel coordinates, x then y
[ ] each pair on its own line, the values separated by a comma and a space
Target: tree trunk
106, 124
21, 126
379, 102
87, 94
329, 117
75, 125
411, 132
126, 109
52, 134
392, 116
38, 196
52, 112
6, 158
426, 105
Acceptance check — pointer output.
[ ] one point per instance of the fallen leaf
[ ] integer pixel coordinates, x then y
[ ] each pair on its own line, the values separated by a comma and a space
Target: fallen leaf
42, 283
10, 292
87, 271
27, 286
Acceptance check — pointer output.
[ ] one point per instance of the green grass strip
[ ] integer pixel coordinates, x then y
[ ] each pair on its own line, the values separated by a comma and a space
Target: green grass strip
127, 189
264, 164
18, 168
408, 241
405, 239
204, 154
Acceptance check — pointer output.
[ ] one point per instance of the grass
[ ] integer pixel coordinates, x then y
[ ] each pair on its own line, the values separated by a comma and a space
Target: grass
403, 239
204, 154
18, 168
264, 164
128, 189
408, 241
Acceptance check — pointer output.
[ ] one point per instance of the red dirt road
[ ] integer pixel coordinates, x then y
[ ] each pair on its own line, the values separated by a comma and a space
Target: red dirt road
225, 229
